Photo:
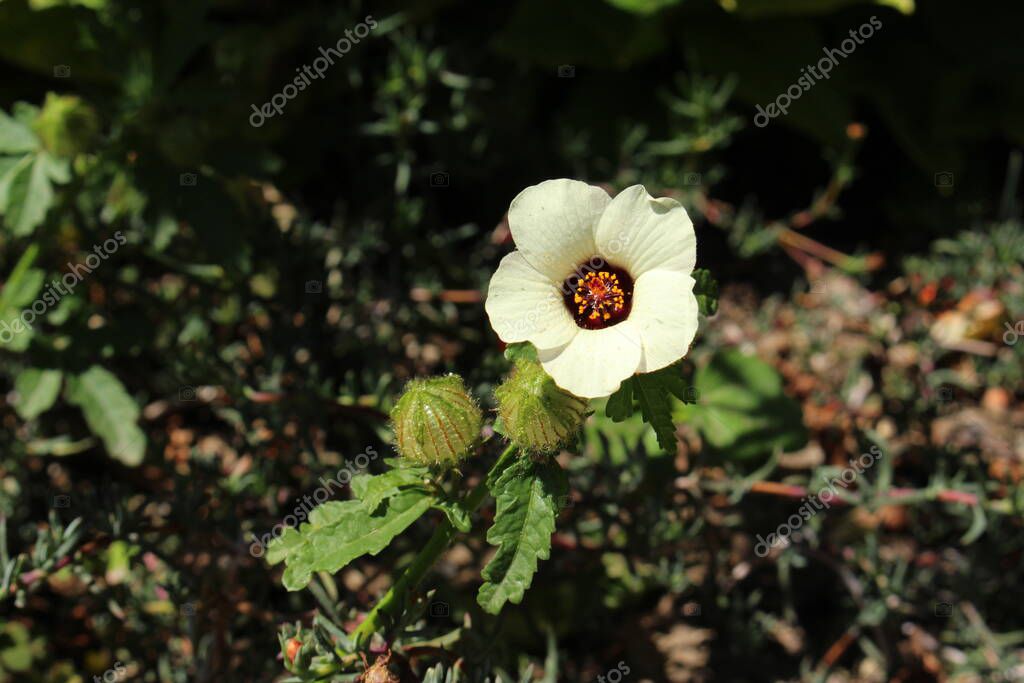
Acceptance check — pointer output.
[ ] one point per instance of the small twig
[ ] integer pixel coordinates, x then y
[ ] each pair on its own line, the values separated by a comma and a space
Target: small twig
265, 397
791, 238
894, 496
838, 648
990, 647
455, 296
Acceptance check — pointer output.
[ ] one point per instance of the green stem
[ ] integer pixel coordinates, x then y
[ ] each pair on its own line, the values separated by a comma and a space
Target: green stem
389, 608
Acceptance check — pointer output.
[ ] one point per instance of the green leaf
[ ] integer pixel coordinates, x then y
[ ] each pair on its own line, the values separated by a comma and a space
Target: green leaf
29, 193
614, 441
458, 515
22, 288
19, 292
742, 410
620, 404
37, 391
15, 136
110, 412
17, 648
375, 489
771, 8
655, 403
59, 446
57, 170
119, 560
706, 289
527, 495
339, 532
7, 167
521, 351
281, 547
97, 5
653, 393
643, 7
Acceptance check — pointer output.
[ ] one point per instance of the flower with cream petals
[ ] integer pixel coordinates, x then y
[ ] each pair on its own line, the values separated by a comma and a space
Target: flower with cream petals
602, 287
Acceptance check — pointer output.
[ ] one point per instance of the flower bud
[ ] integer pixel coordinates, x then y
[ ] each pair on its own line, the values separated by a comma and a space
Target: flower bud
436, 421
292, 648
66, 125
298, 655
538, 415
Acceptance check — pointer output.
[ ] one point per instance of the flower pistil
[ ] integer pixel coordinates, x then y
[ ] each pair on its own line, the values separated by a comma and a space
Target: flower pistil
601, 299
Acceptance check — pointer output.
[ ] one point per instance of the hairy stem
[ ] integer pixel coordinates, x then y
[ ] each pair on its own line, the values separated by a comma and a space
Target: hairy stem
389, 608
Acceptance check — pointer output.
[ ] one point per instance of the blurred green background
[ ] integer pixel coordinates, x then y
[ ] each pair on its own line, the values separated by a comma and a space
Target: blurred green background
278, 283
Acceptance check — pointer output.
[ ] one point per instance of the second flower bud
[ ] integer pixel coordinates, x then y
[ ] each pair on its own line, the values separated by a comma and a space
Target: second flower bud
539, 417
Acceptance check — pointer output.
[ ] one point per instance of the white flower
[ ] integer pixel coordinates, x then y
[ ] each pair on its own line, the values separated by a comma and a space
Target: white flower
600, 286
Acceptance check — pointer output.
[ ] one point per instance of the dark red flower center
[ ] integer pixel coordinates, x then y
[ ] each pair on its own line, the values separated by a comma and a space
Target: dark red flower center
599, 298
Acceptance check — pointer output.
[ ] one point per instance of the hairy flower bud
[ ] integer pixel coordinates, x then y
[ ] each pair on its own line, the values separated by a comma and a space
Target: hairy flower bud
538, 415
436, 421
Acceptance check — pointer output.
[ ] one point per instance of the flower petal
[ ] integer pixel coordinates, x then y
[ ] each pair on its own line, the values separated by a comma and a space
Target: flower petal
524, 305
595, 362
641, 233
665, 312
553, 224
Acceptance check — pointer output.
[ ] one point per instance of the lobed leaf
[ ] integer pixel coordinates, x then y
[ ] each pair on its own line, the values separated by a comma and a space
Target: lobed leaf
527, 495
339, 532
706, 290
374, 489
653, 393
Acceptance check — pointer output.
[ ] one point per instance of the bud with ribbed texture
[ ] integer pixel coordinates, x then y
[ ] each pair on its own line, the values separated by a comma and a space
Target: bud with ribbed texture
539, 416
436, 421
